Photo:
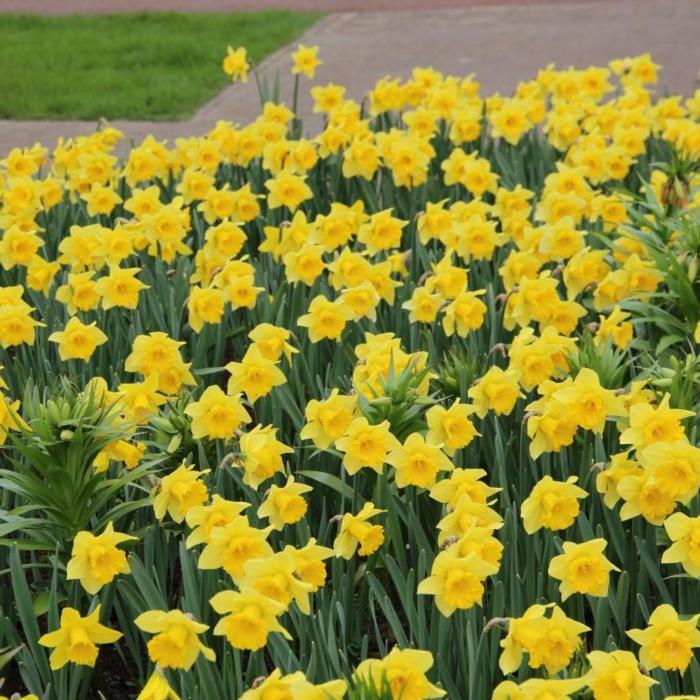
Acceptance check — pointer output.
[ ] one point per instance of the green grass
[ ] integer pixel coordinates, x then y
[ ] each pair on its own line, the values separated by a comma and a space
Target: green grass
138, 66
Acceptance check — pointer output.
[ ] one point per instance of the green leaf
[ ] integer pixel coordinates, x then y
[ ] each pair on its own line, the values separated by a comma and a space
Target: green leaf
330, 481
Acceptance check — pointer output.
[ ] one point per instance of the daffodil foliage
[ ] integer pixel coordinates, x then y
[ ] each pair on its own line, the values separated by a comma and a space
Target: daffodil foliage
402, 408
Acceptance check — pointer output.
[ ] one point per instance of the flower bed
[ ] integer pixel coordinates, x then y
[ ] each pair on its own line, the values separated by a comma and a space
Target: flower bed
403, 410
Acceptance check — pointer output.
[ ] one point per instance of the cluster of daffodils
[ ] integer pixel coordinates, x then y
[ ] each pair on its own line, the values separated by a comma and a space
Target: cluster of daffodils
551, 641
402, 409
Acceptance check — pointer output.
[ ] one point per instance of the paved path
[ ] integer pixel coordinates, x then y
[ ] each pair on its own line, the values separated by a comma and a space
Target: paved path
501, 44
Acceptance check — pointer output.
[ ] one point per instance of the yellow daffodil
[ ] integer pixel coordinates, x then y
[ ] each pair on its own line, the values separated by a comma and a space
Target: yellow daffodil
366, 445
157, 688
451, 427
232, 545
216, 415
77, 340
325, 319
76, 639
175, 643
96, 559
617, 673
284, 505
329, 419
405, 671
456, 582
236, 64
552, 504
254, 375
582, 568
418, 462
358, 535
306, 60
248, 618
667, 641
684, 533
180, 491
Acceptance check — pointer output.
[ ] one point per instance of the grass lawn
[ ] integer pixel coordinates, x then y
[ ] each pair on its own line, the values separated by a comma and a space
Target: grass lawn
139, 66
